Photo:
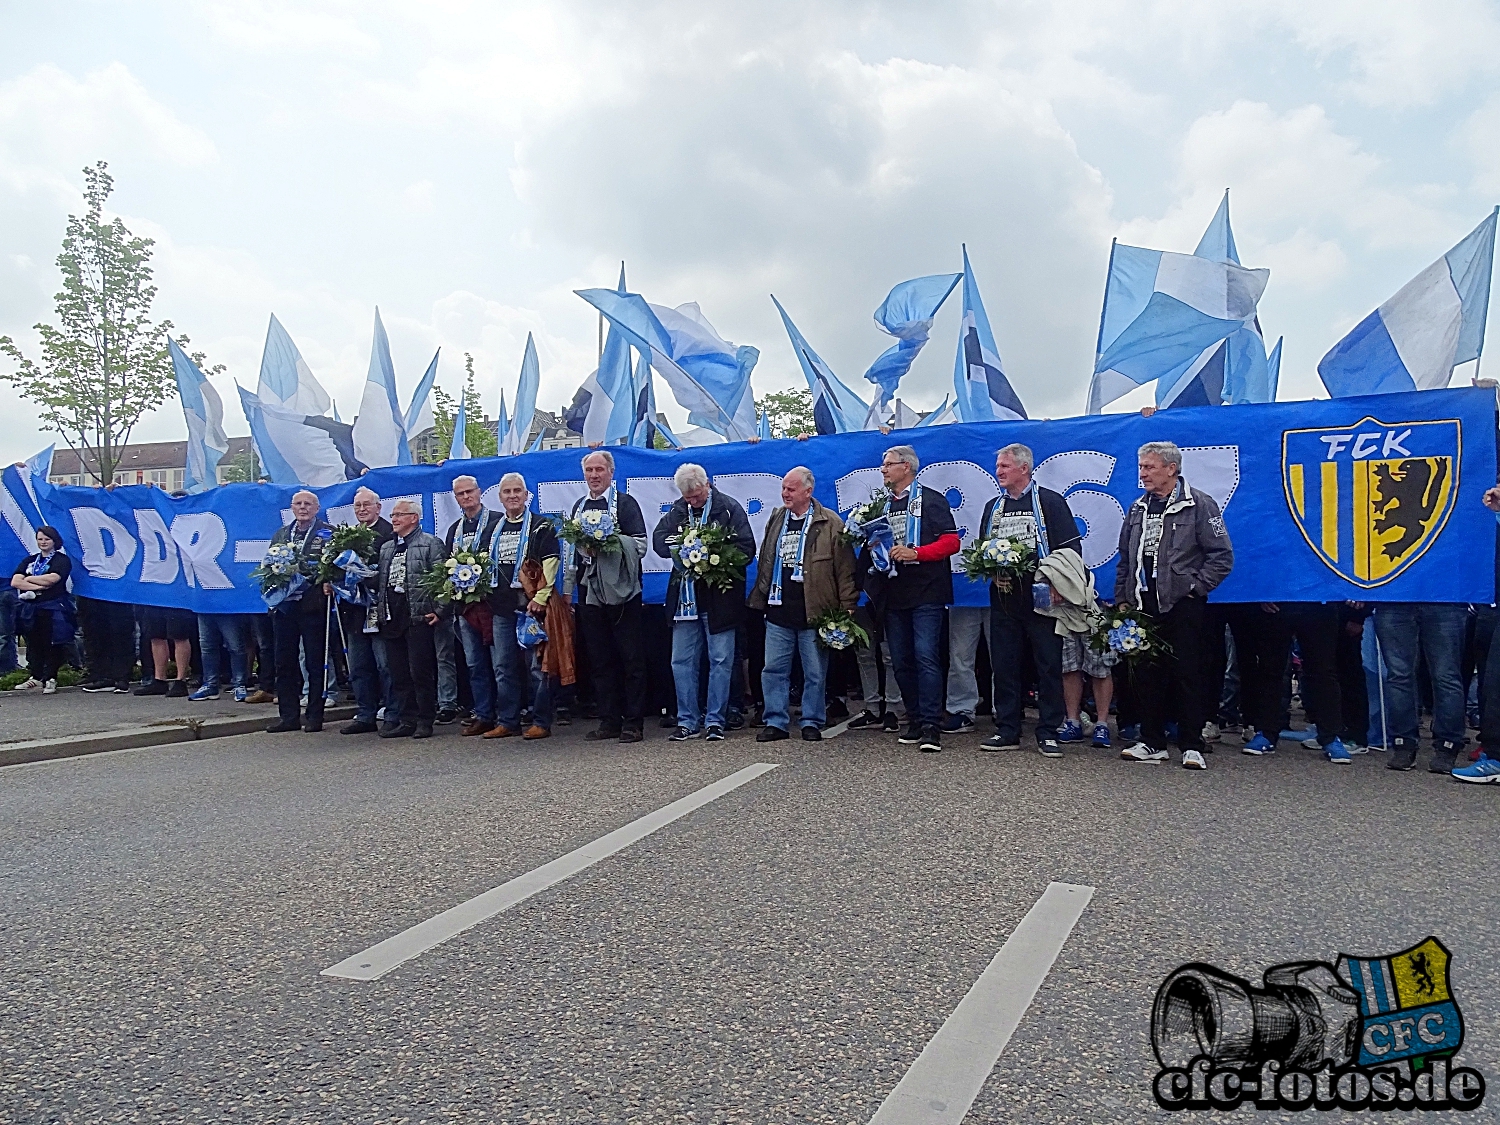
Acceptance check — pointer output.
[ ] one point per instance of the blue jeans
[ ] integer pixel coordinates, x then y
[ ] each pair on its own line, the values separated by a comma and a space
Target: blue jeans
689, 638
481, 670
368, 674
776, 676
1375, 675
1436, 629
916, 639
232, 630
518, 677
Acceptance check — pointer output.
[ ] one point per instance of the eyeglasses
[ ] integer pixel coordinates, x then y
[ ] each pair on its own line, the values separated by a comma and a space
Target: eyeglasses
891, 464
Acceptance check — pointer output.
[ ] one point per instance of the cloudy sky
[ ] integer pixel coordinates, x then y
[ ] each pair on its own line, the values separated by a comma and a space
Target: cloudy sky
465, 166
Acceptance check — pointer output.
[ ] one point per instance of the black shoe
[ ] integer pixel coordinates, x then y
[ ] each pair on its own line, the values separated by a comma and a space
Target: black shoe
735, 720
865, 718
177, 689
667, 722
714, 734
911, 735
1403, 755
771, 734
631, 734
890, 722
399, 730
837, 709
562, 717
283, 726
682, 734
98, 685
424, 730
358, 726
758, 716
122, 687
312, 726
444, 717
1444, 755
932, 740
812, 734
152, 687
603, 734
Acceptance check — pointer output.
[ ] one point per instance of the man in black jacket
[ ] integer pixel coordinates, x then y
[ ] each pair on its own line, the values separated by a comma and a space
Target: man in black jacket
409, 618
368, 672
1014, 621
911, 597
472, 531
303, 621
703, 617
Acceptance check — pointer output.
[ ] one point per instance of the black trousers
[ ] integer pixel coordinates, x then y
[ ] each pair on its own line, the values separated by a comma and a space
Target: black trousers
108, 638
264, 627
1168, 687
412, 661
43, 656
1262, 642
1316, 627
307, 627
1352, 690
613, 636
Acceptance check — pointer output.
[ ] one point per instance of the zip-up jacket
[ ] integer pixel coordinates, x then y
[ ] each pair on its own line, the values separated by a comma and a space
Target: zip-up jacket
1193, 557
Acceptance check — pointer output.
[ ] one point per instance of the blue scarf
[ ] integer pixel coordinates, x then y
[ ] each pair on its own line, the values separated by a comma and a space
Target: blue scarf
494, 547
775, 598
1043, 547
687, 596
570, 550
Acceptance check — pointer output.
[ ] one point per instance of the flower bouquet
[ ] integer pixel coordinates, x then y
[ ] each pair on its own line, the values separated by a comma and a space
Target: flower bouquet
463, 579
348, 557
837, 630
593, 530
283, 574
1128, 632
1000, 557
854, 532
705, 552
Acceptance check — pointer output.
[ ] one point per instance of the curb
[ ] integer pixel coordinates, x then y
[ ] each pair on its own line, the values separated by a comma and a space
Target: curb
136, 738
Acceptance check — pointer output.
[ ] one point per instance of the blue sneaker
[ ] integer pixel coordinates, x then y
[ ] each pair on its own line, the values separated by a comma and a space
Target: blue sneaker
241, 694
1486, 769
1336, 753
1259, 746
205, 692
1171, 732
1101, 737
1070, 732
1130, 734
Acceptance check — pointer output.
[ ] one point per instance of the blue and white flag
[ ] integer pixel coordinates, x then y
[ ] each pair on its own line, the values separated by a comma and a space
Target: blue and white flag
513, 438
1273, 369
503, 424
836, 409
942, 416
718, 366
204, 412
603, 408
1416, 339
419, 409
907, 314
285, 379
983, 392
1162, 311
763, 430
458, 450
19, 504
380, 426
306, 449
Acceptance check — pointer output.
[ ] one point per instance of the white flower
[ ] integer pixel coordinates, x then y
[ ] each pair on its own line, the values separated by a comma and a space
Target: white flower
713, 560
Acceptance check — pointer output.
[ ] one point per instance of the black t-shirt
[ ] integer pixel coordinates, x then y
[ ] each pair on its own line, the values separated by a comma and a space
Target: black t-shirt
928, 583
1017, 520
1151, 529
397, 606
60, 565
506, 543
792, 612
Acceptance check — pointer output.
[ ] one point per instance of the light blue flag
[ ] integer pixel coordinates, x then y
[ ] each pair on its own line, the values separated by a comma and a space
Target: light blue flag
1416, 339
1273, 370
603, 408
18, 500
204, 413
419, 409
722, 369
513, 439
942, 416
836, 409
907, 314
1217, 243
764, 429
503, 426
645, 405
982, 390
285, 379
458, 450
308, 449
380, 437
1162, 312
536, 443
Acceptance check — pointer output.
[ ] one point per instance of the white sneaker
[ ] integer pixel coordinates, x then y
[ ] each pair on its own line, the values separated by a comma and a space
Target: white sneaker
1211, 732
29, 685
1355, 748
1140, 752
1192, 760
1311, 744
50, 688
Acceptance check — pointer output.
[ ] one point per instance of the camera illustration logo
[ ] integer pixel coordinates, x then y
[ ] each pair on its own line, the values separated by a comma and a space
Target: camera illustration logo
1368, 1033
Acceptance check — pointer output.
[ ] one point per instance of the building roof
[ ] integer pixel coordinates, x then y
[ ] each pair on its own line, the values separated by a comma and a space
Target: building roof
148, 455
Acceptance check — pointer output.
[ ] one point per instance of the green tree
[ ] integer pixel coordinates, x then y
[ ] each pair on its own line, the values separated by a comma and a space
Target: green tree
791, 412
105, 364
244, 467
477, 436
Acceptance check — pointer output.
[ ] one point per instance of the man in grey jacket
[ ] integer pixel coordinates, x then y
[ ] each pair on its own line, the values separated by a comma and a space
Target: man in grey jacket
1173, 551
408, 617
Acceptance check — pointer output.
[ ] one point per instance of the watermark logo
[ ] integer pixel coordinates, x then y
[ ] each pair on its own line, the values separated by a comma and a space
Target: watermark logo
1369, 1033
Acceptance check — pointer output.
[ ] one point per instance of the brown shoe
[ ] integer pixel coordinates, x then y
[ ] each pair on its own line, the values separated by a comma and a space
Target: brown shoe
260, 697
497, 731
477, 725
535, 731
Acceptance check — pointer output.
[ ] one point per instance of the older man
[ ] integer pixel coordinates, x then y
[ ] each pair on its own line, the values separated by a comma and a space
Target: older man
472, 531
1041, 519
703, 616
361, 629
1173, 551
909, 599
608, 588
805, 570
409, 618
521, 536
302, 622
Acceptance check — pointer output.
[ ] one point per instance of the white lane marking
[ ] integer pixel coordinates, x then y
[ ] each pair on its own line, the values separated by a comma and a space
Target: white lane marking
381, 958
949, 1073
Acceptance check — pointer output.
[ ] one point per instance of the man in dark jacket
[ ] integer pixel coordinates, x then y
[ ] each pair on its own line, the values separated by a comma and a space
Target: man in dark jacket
1173, 551
703, 617
909, 599
367, 664
408, 619
302, 622
472, 531
805, 570
1041, 519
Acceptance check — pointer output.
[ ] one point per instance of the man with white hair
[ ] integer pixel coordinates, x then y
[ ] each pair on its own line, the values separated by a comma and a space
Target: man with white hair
472, 531
608, 586
368, 673
704, 617
302, 622
1173, 551
409, 619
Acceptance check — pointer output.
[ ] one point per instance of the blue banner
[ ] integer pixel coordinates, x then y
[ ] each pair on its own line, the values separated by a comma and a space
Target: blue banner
1373, 499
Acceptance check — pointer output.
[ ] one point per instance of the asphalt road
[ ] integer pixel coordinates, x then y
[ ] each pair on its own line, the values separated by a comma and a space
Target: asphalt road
782, 954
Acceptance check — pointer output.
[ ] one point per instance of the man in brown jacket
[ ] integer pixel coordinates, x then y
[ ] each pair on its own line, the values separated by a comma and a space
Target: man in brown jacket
804, 570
